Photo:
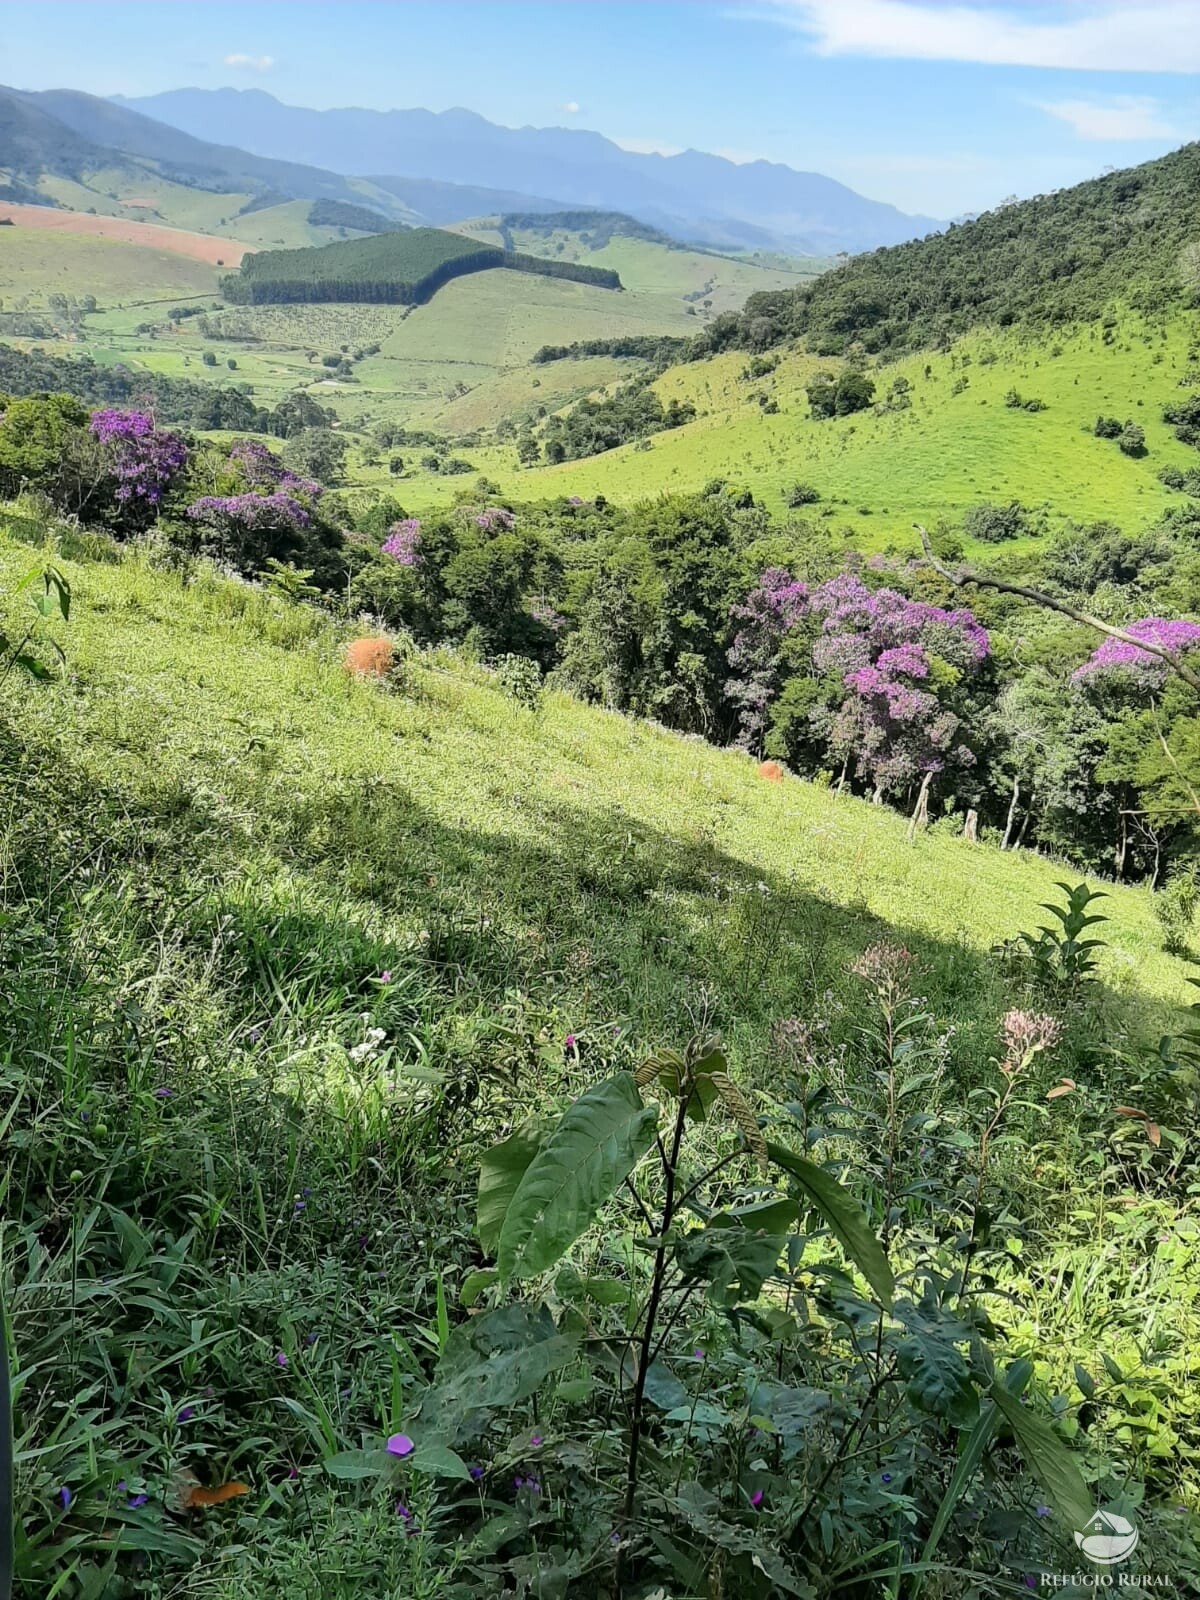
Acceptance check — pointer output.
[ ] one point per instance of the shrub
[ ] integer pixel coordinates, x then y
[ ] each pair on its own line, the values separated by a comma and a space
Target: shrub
1107, 427
993, 524
1132, 440
801, 494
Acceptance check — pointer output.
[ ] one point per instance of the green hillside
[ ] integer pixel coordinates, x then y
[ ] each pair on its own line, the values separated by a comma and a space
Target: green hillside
955, 444
283, 953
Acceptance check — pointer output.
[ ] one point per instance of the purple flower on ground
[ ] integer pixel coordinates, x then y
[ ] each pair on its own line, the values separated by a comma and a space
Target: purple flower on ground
756, 1499
535, 1439
476, 1473
569, 1042
293, 1473
312, 1338
164, 1094
280, 1359
385, 977
65, 1497
887, 1477
1030, 1581
1041, 1511
698, 1354
137, 1501
400, 1445
187, 1413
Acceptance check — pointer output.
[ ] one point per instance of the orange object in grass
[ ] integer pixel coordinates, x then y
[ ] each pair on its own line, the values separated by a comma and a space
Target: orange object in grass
771, 771
369, 658
194, 1497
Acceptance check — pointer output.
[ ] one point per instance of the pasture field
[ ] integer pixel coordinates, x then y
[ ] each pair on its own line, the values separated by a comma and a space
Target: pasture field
36, 262
880, 472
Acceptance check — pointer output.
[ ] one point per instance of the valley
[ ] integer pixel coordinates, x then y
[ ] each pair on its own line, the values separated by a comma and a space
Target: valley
599, 851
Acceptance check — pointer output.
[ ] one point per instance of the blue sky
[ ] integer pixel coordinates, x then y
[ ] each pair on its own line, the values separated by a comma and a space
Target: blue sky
940, 106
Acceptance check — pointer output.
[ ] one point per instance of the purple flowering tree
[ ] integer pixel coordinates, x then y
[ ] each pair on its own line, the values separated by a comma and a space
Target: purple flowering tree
765, 618
893, 655
403, 542
496, 519
1139, 667
144, 460
263, 470
248, 529
892, 662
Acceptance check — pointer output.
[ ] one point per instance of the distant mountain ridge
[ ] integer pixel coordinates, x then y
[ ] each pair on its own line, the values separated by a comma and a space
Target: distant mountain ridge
693, 195
68, 134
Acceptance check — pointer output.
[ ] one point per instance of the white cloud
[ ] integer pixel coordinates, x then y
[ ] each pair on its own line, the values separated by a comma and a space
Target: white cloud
1133, 36
1125, 116
572, 108
649, 147
250, 63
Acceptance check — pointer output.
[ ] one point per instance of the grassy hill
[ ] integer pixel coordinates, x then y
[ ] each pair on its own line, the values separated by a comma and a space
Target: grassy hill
227, 864
879, 470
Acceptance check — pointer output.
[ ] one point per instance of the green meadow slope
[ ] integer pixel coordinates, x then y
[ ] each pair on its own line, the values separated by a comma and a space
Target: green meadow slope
167, 680
879, 470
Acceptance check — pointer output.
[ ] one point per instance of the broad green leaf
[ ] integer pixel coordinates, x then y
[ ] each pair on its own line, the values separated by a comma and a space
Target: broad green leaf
1047, 1457
438, 1461
500, 1173
937, 1378
768, 1216
475, 1283
734, 1262
1087, 1384
350, 1465
498, 1359
846, 1218
595, 1146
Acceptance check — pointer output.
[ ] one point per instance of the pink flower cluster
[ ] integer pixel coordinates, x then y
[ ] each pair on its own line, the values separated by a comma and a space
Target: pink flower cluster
403, 542
496, 519
264, 470
250, 511
1175, 635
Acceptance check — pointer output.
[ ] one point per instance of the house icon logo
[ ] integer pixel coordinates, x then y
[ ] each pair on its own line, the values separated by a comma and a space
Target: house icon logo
1107, 1538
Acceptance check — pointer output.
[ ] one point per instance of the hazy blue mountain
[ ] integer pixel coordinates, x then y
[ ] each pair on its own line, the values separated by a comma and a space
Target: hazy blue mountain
62, 131
692, 195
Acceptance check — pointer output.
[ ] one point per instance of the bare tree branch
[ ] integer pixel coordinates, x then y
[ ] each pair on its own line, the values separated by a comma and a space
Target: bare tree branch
964, 575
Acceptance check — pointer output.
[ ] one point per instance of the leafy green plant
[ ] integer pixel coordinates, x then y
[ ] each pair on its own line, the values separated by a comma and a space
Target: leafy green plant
1061, 957
25, 652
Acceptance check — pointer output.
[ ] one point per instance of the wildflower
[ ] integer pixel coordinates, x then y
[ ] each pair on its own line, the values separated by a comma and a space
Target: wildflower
293, 1473
756, 1499
400, 1445
280, 1359
1026, 1034
1041, 1511
476, 1473
164, 1094
65, 1497
698, 1354
1030, 1581
887, 1477
403, 1512
311, 1339
885, 967
187, 1413
518, 1483
535, 1439
386, 977
569, 1042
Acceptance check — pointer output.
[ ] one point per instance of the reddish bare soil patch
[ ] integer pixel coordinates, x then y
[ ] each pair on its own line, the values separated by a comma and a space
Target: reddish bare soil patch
200, 246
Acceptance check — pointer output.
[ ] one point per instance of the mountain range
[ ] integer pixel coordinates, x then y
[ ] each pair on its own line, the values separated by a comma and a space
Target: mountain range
692, 195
